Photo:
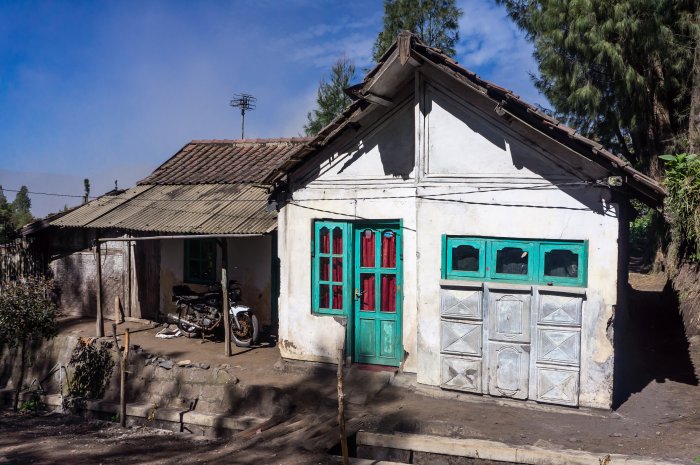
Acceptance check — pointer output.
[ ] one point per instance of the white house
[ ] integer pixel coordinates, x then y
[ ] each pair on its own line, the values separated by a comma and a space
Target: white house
464, 235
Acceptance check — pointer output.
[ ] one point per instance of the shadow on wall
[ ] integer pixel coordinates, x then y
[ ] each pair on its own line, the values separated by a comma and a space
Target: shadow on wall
521, 156
394, 141
654, 347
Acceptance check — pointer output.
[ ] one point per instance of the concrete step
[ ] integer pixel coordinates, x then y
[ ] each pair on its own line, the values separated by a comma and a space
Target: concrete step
493, 450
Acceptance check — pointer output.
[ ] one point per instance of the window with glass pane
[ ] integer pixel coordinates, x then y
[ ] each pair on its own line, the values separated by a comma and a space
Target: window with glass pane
511, 260
200, 261
464, 257
329, 274
563, 264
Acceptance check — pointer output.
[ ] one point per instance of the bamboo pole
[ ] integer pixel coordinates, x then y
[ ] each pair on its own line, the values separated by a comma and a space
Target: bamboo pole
341, 408
129, 277
224, 294
99, 324
122, 379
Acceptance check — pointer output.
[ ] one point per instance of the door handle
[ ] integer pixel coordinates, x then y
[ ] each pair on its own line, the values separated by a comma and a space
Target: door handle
358, 293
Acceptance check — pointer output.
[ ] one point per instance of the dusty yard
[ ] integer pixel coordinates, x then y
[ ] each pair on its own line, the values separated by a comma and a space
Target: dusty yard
657, 406
66, 439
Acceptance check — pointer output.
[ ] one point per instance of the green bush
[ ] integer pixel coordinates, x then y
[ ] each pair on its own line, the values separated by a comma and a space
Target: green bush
33, 405
92, 368
683, 203
27, 313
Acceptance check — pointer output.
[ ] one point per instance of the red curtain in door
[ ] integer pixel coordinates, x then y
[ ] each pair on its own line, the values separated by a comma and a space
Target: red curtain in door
388, 293
367, 249
389, 250
337, 270
337, 241
324, 239
367, 289
337, 298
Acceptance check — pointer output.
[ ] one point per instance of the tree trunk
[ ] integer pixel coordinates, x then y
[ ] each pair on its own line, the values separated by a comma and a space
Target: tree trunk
694, 117
22, 368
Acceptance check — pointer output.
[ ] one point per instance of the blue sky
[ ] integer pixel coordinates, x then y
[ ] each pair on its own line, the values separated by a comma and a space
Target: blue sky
109, 90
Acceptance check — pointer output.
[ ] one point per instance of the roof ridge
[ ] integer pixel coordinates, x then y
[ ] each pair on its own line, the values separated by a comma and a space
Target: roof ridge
275, 140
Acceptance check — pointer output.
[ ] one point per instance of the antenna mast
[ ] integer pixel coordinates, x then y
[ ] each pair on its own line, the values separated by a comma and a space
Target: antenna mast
245, 102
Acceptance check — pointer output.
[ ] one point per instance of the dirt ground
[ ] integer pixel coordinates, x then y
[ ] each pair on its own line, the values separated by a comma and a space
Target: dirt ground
657, 406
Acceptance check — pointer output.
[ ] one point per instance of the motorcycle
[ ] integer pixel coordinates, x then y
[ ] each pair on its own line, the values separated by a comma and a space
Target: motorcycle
199, 313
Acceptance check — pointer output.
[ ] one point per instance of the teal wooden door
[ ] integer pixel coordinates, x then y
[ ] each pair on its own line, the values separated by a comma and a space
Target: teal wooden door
377, 325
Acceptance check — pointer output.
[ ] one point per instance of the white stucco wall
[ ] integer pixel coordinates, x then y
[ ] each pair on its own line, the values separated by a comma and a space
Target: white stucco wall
464, 173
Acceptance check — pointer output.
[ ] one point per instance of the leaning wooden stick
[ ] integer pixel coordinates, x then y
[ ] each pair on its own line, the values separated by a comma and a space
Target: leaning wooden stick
122, 379
341, 409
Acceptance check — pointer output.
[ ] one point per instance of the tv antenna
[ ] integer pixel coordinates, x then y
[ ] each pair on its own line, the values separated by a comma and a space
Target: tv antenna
245, 102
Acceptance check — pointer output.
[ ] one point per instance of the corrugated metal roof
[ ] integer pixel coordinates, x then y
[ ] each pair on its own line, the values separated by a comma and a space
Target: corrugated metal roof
179, 209
225, 161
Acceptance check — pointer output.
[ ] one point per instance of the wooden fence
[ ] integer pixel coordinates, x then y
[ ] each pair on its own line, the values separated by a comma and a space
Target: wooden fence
19, 259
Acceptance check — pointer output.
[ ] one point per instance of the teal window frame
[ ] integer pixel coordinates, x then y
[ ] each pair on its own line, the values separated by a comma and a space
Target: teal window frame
496, 245
203, 251
536, 249
449, 244
579, 249
316, 256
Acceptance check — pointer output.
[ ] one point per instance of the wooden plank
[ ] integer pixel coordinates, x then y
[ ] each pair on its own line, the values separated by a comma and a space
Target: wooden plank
223, 243
99, 323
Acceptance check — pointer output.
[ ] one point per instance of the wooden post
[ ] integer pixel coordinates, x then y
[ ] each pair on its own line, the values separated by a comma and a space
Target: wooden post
118, 314
123, 355
128, 278
224, 292
100, 328
341, 408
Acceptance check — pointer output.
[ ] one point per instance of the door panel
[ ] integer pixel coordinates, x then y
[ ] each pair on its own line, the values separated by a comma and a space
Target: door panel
461, 338
461, 374
509, 317
557, 385
378, 295
508, 370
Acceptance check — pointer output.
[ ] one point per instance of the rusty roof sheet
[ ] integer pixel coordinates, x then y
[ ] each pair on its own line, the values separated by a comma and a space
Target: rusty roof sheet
225, 161
179, 209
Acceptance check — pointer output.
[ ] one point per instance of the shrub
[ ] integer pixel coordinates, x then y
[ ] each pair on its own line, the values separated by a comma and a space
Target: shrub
683, 203
93, 365
26, 312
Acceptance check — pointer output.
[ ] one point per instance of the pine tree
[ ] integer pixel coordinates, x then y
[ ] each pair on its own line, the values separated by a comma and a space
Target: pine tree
7, 227
616, 71
21, 208
435, 22
331, 99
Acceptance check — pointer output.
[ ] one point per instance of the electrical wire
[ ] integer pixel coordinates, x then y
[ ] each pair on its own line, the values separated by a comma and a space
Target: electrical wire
478, 190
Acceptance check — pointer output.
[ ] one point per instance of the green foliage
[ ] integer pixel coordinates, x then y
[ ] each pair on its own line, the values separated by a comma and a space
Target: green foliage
331, 99
641, 227
435, 22
33, 405
683, 202
27, 311
21, 208
92, 368
7, 227
616, 71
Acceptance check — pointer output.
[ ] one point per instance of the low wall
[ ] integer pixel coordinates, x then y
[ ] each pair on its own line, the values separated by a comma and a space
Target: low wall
213, 391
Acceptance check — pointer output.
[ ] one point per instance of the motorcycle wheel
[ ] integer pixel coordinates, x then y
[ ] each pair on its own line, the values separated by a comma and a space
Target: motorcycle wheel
247, 335
187, 330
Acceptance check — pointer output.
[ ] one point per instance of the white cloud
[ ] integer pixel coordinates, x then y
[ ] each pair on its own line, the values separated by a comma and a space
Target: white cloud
491, 44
